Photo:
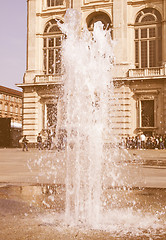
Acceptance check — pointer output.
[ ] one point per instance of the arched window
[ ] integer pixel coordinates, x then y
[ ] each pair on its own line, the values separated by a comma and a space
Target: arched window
148, 45
52, 48
96, 17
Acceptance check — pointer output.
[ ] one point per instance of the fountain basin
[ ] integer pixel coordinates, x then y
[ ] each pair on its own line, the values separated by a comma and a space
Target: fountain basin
37, 211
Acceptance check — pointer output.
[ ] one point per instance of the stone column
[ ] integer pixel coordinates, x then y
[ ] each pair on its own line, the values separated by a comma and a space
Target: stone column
164, 33
31, 46
120, 33
120, 29
30, 111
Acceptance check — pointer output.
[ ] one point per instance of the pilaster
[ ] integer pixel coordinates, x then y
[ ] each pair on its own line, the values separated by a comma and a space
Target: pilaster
30, 114
164, 33
31, 34
120, 30
164, 106
76, 4
164, 60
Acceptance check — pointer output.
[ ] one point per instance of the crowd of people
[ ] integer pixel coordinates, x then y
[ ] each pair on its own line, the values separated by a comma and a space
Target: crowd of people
141, 141
46, 141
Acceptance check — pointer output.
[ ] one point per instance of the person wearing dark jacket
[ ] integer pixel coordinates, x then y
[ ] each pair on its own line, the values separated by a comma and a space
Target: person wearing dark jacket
39, 142
25, 143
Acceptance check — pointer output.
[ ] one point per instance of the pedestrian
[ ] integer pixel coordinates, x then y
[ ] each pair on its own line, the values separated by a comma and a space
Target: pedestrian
157, 142
138, 142
25, 143
49, 141
143, 139
133, 142
164, 139
39, 142
127, 142
161, 142
123, 143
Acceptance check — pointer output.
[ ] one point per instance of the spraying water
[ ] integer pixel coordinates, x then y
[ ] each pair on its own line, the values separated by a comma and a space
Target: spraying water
88, 94
87, 59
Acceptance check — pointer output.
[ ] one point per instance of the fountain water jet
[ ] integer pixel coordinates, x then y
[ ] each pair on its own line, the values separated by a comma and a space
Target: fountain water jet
88, 94
87, 59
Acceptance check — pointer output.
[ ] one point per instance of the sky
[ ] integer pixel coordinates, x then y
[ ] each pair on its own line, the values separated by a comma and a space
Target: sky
12, 42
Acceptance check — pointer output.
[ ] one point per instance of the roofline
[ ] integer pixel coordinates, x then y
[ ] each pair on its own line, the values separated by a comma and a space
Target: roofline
10, 91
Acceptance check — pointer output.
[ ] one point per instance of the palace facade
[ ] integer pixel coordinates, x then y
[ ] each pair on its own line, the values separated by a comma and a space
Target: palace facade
139, 30
11, 105
10, 117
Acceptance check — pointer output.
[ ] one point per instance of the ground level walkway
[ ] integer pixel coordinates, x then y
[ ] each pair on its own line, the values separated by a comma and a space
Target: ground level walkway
48, 166
32, 203
17, 166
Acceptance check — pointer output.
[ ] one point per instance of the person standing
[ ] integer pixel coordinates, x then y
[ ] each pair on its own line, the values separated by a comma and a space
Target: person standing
49, 141
39, 142
161, 142
143, 138
25, 143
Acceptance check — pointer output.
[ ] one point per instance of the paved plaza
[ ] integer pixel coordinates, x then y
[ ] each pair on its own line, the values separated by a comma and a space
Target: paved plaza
24, 197
17, 166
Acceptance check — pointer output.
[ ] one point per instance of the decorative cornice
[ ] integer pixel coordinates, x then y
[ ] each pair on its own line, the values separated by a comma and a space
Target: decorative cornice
39, 84
96, 6
146, 91
138, 2
10, 91
46, 13
130, 79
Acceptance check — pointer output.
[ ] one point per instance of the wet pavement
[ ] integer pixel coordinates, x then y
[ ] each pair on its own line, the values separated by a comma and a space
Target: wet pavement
37, 212
37, 166
32, 196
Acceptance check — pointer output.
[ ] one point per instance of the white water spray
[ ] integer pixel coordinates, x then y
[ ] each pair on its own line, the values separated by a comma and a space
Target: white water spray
87, 59
88, 94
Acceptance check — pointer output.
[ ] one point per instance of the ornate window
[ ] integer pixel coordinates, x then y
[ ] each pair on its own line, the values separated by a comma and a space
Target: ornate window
51, 115
146, 109
52, 3
148, 45
52, 48
147, 113
98, 16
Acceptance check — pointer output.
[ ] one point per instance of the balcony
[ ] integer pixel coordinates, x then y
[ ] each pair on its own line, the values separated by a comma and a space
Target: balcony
56, 79
147, 72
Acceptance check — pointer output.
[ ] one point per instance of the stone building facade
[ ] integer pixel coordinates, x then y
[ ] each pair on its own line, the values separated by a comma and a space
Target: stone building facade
139, 30
11, 105
10, 117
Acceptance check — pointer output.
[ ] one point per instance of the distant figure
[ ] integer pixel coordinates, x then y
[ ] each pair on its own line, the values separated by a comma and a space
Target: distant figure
138, 142
161, 142
143, 139
25, 143
49, 141
39, 142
